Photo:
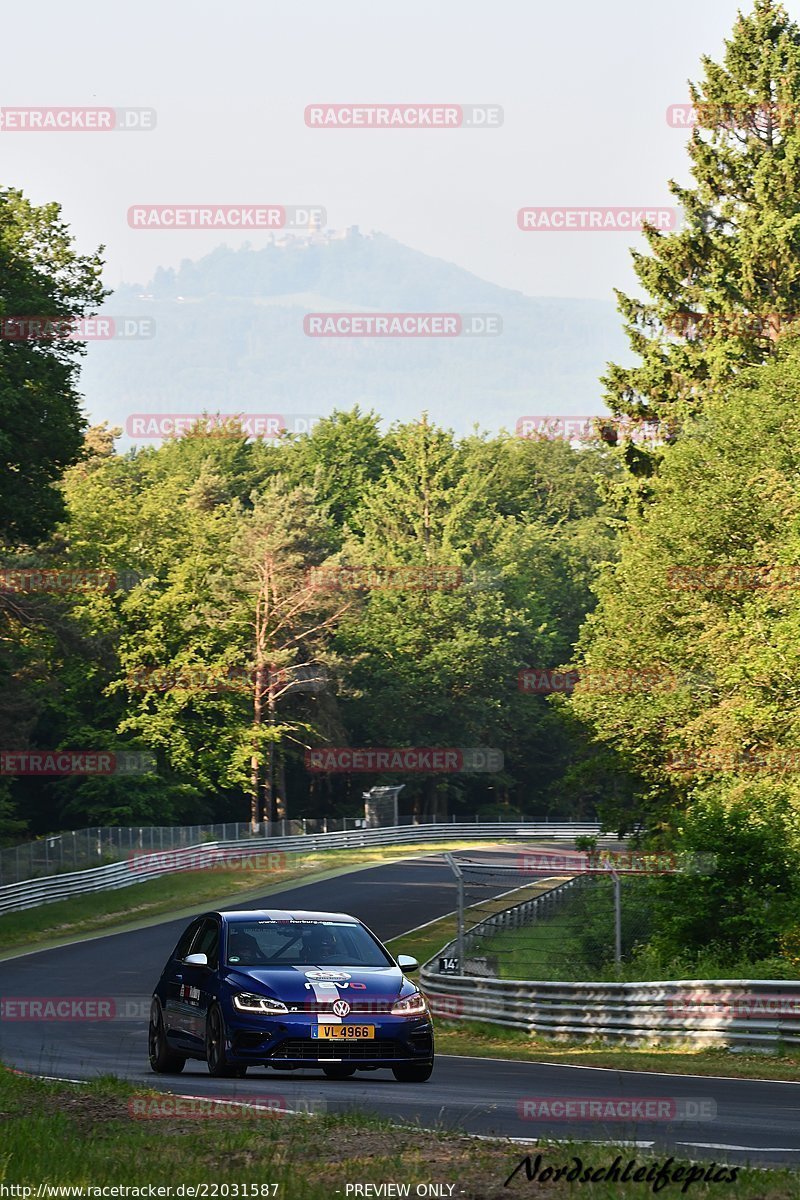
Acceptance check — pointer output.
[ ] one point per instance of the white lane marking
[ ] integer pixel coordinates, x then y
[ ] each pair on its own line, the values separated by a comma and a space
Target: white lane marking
758, 1149
295, 1112
47, 1078
535, 1062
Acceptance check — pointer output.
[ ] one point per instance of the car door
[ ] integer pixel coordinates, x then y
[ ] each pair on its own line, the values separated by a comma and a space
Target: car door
199, 984
176, 1012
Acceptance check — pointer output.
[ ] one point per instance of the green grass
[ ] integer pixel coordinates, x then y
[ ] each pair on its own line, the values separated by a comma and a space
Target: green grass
553, 949
425, 942
538, 951
183, 894
62, 1134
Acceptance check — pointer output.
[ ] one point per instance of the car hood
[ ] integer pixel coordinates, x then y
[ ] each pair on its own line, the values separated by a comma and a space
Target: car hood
294, 985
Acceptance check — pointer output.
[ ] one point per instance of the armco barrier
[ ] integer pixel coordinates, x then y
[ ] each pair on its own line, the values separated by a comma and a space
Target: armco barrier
33, 892
99, 845
743, 1013
748, 1013
737, 1013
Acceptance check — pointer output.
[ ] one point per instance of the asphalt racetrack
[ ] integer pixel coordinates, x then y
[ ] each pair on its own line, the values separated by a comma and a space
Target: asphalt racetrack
756, 1121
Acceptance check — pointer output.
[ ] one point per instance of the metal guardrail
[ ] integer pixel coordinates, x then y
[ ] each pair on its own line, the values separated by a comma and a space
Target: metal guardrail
737, 1013
80, 849
143, 865
723, 1012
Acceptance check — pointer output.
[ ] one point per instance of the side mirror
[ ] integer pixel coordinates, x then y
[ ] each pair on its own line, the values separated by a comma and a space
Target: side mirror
406, 962
196, 960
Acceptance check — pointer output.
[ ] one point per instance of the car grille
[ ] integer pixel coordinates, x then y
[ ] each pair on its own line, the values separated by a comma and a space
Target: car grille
326, 1006
318, 1050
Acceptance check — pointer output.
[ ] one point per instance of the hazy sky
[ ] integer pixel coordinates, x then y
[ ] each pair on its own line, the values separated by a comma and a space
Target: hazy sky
584, 87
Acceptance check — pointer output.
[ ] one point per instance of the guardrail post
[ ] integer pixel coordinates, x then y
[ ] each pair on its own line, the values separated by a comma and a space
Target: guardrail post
455, 868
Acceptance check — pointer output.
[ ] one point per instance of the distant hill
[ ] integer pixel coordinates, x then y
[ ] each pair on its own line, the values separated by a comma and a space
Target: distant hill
229, 337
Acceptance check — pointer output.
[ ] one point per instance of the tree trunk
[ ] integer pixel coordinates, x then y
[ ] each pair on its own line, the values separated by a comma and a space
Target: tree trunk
280, 789
255, 760
270, 807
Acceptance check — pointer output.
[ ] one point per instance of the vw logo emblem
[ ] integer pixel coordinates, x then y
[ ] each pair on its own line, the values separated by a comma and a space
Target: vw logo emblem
341, 1008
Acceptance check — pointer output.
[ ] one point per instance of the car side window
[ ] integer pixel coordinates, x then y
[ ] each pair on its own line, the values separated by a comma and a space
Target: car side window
186, 939
207, 941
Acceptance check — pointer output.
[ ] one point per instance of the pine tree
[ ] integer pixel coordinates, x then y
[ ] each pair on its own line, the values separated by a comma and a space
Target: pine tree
724, 287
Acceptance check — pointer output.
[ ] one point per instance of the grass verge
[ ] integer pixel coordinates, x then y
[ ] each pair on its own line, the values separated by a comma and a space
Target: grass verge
568, 946
424, 942
86, 1136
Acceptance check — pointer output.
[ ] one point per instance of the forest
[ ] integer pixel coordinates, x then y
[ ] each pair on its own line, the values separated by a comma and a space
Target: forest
227, 607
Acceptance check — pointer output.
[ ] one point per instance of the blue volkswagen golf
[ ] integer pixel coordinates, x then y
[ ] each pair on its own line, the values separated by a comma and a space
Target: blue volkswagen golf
289, 990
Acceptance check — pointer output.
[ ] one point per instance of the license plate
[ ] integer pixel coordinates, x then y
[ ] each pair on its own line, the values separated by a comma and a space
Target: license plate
343, 1033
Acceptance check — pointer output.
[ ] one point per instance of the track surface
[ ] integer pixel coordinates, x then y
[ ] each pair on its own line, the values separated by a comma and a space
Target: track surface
756, 1121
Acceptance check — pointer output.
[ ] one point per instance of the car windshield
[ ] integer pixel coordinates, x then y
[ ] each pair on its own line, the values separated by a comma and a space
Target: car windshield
302, 943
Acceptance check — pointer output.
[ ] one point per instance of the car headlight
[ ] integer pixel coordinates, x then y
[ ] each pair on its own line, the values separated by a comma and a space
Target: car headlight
411, 1006
249, 1002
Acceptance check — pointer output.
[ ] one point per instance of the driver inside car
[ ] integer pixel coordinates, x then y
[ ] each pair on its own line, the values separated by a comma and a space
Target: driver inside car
243, 948
320, 945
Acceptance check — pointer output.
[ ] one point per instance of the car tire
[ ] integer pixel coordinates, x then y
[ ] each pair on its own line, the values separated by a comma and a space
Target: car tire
218, 1065
339, 1071
413, 1072
162, 1060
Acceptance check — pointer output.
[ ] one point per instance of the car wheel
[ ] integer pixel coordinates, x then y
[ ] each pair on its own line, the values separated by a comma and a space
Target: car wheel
218, 1064
413, 1072
339, 1071
162, 1060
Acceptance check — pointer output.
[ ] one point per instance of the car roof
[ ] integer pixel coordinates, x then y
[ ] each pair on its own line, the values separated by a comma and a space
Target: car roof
284, 914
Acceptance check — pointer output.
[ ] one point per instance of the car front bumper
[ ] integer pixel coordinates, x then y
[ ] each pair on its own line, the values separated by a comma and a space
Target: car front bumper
287, 1040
